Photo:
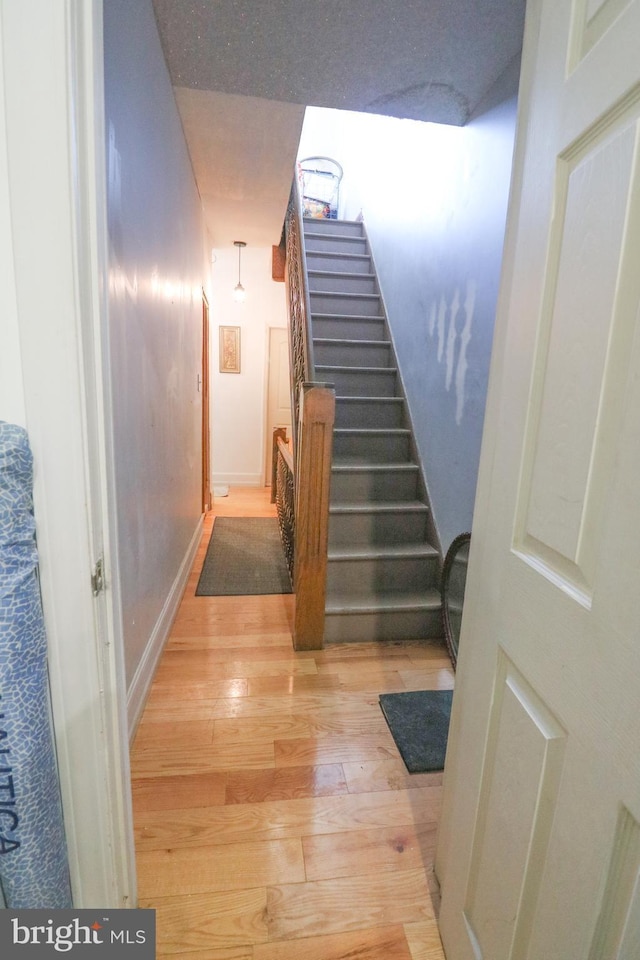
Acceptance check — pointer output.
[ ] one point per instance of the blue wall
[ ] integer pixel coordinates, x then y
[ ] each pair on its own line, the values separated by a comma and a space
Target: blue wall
434, 200
439, 270
156, 245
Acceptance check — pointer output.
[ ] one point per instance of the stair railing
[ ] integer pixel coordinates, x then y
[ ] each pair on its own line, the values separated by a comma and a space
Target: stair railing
302, 479
298, 305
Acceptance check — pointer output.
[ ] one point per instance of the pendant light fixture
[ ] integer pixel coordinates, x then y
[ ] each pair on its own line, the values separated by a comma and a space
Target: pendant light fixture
239, 292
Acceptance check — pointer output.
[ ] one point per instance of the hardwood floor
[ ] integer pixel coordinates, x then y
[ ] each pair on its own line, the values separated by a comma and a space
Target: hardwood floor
274, 817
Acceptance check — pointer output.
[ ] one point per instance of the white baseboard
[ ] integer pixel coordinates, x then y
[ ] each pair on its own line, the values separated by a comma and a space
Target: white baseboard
238, 479
139, 689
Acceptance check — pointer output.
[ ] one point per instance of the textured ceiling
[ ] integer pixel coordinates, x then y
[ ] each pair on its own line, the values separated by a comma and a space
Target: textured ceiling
420, 59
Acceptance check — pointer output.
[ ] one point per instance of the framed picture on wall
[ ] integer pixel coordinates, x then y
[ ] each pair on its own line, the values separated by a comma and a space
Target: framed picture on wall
229, 349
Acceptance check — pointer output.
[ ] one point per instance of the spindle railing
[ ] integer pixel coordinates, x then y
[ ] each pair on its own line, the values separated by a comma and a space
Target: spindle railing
301, 481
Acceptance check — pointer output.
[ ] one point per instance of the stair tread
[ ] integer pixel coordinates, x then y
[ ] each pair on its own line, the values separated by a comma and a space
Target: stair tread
370, 399
340, 237
340, 274
339, 254
374, 467
378, 506
329, 235
373, 431
345, 316
317, 220
333, 366
381, 551
332, 341
343, 293
393, 601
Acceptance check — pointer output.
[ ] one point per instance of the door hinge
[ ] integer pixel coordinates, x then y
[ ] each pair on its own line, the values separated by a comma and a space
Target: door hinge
97, 577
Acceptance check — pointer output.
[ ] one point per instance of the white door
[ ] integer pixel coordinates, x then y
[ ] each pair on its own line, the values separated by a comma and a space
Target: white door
278, 390
539, 850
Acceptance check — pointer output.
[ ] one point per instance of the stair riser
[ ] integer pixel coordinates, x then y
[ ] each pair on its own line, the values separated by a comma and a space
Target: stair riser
383, 626
363, 577
349, 328
359, 487
393, 527
367, 448
355, 383
355, 306
346, 355
337, 263
357, 413
320, 244
343, 228
339, 283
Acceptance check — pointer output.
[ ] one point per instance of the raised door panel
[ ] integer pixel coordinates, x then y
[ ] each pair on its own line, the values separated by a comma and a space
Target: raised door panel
538, 849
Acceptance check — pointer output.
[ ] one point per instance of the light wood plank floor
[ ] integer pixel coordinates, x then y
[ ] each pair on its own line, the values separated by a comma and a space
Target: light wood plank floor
274, 817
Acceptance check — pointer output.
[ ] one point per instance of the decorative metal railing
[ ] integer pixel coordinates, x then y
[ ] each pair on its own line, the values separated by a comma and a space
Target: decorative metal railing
283, 495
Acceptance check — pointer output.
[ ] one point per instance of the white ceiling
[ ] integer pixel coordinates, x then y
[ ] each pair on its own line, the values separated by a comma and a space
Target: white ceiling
243, 71
243, 152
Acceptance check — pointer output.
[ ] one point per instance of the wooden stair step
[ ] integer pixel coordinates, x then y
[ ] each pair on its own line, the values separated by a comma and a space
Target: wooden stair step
339, 281
381, 551
379, 507
353, 327
333, 351
367, 481
373, 318
345, 294
357, 343
332, 228
385, 602
340, 275
339, 261
384, 616
335, 244
373, 431
371, 444
352, 369
348, 303
369, 411
356, 381
374, 467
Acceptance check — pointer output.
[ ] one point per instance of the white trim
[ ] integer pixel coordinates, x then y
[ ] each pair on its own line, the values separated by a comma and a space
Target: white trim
55, 151
86, 90
143, 677
238, 479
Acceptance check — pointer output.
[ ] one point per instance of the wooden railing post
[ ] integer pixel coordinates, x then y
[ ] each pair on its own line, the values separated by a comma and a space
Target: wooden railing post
313, 478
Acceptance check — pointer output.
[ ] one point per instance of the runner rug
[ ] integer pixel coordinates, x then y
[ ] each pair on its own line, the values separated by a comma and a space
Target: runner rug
244, 557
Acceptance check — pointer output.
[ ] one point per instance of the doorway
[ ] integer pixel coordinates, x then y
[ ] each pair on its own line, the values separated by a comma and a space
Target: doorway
206, 442
278, 391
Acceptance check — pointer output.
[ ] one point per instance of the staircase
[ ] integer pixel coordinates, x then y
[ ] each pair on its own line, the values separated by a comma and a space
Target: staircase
383, 571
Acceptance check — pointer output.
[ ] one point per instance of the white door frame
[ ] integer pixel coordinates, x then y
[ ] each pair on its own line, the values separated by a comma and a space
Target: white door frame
268, 384
57, 190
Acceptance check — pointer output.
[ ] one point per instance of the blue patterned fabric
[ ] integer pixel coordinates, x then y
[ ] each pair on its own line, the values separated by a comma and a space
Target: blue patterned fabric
34, 870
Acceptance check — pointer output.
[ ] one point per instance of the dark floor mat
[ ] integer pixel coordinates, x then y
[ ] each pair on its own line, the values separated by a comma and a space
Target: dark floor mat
244, 557
419, 723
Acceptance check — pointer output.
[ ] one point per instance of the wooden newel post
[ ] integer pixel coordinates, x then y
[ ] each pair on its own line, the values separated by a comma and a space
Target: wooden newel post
313, 478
